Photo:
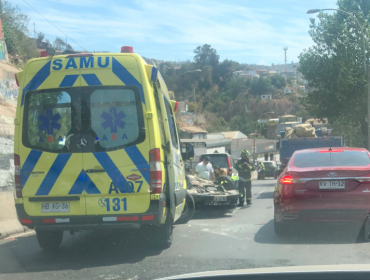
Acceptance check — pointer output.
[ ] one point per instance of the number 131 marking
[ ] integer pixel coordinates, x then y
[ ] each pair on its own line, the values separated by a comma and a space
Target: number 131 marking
116, 202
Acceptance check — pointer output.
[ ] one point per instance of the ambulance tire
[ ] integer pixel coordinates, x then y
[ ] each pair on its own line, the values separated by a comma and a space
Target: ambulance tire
165, 233
188, 211
49, 240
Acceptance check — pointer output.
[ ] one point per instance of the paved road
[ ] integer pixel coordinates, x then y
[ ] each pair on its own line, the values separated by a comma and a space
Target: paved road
211, 241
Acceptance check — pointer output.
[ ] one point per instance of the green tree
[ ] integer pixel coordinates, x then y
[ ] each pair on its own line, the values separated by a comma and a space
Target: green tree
334, 66
278, 81
290, 80
206, 55
40, 36
59, 44
14, 25
260, 86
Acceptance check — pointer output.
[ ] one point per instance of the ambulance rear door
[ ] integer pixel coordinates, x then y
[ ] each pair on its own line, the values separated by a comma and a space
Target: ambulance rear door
48, 167
116, 157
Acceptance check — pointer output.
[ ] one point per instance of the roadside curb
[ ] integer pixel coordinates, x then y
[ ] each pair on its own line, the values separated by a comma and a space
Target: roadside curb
10, 227
9, 223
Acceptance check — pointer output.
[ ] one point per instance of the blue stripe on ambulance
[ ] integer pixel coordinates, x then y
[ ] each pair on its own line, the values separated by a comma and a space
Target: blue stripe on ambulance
113, 172
125, 76
83, 182
37, 80
68, 80
53, 174
91, 79
29, 165
140, 162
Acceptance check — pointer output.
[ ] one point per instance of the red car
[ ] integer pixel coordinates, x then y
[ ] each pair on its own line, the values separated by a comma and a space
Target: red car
323, 185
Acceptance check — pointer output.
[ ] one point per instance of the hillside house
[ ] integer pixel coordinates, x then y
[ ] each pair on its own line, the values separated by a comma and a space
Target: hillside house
288, 90
193, 132
266, 96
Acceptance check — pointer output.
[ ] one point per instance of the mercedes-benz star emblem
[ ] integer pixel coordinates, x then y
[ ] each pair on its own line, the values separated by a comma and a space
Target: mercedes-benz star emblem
332, 174
82, 143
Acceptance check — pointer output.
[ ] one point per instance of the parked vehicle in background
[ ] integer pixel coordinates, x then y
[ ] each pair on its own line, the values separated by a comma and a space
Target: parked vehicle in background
289, 146
323, 185
279, 170
223, 160
270, 168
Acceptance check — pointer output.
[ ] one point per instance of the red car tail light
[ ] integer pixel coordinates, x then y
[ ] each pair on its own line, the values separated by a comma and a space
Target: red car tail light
155, 171
286, 180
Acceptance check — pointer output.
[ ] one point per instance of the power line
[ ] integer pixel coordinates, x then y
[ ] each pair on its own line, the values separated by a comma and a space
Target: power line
55, 26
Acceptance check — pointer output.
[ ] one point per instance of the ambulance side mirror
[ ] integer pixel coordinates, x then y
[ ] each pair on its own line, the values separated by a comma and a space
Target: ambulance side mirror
187, 151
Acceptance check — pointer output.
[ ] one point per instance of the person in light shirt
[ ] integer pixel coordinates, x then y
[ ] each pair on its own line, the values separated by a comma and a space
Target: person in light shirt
204, 169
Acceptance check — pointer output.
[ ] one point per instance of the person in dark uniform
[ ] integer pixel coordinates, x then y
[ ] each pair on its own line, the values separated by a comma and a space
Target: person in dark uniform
245, 167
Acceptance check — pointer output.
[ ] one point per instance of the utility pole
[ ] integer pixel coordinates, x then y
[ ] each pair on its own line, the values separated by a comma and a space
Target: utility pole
34, 30
285, 50
195, 103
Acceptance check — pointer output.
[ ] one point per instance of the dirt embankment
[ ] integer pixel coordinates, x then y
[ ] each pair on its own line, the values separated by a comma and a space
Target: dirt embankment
8, 102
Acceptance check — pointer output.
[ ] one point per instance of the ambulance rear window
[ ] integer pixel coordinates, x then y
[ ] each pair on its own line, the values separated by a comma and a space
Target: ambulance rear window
105, 118
48, 119
114, 117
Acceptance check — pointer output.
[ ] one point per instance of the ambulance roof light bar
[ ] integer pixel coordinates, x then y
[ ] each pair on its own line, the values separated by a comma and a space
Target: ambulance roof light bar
127, 49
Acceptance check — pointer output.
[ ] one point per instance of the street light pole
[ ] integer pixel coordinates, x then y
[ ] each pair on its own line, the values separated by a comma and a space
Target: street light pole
366, 65
195, 103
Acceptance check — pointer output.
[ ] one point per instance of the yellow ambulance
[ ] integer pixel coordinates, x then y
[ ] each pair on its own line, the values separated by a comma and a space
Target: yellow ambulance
96, 146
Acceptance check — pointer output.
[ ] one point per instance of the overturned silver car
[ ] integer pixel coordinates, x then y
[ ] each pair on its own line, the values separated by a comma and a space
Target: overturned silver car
209, 194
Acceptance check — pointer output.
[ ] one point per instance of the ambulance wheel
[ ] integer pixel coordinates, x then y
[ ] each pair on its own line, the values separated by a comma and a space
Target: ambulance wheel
49, 240
165, 233
188, 211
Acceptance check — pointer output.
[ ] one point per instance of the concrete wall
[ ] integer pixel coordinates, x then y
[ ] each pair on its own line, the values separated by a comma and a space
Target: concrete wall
9, 223
6, 165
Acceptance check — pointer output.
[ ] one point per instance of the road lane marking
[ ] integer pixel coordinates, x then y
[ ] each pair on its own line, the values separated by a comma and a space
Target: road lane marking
258, 194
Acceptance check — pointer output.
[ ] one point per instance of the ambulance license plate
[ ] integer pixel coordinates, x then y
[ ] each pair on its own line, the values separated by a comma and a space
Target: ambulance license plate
55, 207
220, 198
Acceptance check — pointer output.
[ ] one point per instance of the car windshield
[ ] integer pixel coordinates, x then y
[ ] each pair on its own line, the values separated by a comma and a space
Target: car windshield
218, 160
327, 159
109, 108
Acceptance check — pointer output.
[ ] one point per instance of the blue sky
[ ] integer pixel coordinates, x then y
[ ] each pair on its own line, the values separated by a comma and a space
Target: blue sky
249, 31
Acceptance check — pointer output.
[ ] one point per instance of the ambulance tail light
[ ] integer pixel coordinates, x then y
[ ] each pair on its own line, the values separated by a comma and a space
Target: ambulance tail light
176, 106
155, 171
17, 176
127, 49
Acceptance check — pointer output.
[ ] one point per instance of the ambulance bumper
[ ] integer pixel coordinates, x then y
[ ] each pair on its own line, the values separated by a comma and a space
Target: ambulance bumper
152, 216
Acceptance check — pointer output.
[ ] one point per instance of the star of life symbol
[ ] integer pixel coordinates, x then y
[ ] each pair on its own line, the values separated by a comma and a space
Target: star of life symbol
49, 122
113, 119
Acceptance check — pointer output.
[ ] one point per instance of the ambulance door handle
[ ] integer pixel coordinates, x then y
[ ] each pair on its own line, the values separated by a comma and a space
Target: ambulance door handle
95, 170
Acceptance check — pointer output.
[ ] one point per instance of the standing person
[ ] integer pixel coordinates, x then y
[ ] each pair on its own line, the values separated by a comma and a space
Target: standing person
262, 168
204, 169
244, 167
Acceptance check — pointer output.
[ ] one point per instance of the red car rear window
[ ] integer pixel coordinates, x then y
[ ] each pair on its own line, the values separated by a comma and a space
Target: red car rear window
344, 158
